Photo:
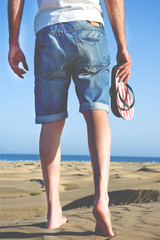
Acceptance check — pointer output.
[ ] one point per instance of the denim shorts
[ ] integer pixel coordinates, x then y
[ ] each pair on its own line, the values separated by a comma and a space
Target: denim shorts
74, 50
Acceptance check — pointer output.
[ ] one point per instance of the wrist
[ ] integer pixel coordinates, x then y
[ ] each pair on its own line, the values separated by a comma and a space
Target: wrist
14, 42
122, 45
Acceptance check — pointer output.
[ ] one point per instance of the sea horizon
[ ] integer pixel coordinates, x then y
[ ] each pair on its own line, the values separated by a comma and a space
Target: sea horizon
70, 157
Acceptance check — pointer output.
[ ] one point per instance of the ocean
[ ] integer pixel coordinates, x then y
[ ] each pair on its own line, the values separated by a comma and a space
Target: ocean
35, 157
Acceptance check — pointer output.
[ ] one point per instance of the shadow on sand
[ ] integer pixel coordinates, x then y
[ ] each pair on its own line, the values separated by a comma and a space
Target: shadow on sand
22, 235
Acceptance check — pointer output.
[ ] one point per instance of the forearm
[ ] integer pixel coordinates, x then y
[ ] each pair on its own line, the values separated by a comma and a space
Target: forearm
115, 10
15, 10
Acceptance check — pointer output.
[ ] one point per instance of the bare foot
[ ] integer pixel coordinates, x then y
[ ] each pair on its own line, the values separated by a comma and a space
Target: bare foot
102, 216
55, 222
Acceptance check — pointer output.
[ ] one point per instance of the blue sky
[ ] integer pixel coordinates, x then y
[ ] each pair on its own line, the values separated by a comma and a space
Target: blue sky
138, 137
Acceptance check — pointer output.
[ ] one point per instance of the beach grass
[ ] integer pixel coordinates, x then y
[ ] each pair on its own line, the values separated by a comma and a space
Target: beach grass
35, 193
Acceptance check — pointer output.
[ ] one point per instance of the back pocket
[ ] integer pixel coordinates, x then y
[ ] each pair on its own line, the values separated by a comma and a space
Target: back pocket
91, 50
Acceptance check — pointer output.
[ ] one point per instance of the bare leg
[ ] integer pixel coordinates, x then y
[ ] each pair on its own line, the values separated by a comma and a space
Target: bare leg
50, 161
99, 141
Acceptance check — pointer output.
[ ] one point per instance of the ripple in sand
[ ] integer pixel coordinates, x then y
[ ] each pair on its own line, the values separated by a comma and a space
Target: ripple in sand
145, 169
29, 164
78, 175
70, 186
118, 198
12, 193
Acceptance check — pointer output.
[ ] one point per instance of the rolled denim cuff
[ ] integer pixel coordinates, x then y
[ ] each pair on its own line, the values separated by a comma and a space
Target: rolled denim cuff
93, 105
51, 118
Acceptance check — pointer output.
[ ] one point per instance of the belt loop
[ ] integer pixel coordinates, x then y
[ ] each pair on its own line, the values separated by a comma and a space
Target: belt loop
61, 26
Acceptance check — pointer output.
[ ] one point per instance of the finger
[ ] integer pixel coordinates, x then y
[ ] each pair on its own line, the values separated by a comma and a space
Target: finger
129, 74
19, 75
16, 68
25, 64
122, 77
123, 66
122, 71
19, 70
125, 77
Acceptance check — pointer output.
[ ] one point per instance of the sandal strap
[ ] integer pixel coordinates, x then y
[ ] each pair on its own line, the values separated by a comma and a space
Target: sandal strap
124, 100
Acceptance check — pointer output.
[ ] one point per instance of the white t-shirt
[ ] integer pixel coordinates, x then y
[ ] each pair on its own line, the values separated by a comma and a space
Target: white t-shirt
56, 11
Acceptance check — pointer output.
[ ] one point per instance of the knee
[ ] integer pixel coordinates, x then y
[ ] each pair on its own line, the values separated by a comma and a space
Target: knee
93, 115
50, 137
88, 115
59, 124
53, 126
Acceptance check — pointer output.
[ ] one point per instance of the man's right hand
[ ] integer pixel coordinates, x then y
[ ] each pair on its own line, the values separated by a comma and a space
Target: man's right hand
16, 56
124, 63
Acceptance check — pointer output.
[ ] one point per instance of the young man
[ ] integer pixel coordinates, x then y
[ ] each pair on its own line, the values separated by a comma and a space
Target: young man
71, 42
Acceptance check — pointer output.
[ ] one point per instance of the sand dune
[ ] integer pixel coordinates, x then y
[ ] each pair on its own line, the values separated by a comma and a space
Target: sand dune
134, 192
145, 169
123, 197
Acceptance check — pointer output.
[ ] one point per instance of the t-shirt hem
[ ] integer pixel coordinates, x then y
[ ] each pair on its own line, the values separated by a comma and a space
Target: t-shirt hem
41, 22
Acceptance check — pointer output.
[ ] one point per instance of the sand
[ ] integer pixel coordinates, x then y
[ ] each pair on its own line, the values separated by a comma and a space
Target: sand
134, 191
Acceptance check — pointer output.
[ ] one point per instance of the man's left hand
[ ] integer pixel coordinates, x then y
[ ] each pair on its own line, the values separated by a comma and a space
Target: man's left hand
16, 56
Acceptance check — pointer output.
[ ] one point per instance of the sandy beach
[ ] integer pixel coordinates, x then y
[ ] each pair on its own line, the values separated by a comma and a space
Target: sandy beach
134, 191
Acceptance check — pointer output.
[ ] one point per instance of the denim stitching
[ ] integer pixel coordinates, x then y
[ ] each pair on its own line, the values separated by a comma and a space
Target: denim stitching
51, 31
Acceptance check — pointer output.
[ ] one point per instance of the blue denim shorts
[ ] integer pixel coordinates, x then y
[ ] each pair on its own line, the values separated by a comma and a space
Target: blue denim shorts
74, 50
